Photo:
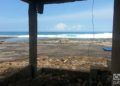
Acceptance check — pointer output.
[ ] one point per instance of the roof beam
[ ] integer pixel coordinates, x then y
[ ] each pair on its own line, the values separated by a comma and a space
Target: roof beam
40, 3
51, 1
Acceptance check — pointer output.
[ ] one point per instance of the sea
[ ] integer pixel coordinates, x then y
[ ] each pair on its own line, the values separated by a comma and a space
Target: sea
18, 36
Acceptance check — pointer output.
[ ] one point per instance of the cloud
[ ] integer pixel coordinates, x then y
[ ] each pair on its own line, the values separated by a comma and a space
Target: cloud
61, 26
68, 27
77, 26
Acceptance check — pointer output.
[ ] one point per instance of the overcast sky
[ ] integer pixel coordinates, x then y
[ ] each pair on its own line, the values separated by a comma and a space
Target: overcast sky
67, 17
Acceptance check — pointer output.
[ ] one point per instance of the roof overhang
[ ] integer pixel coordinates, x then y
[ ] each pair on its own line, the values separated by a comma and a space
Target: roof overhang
51, 1
40, 3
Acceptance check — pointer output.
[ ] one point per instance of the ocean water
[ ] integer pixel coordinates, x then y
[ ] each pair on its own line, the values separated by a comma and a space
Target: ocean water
79, 35
59, 34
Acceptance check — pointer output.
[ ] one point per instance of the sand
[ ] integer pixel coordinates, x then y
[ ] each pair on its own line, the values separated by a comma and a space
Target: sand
70, 54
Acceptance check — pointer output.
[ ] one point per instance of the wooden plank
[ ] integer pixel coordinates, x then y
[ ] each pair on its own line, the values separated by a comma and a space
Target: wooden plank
33, 38
116, 38
40, 8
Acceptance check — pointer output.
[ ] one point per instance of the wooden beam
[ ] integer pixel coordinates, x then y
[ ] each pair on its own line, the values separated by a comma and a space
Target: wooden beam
40, 7
33, 38
116, 38
51, 1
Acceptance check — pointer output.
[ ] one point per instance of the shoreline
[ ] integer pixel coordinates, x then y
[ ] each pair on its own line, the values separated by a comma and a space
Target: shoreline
61, 53
56, 47
67, 35
25, 39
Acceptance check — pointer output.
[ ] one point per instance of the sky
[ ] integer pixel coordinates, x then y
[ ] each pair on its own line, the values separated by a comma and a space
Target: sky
67, 17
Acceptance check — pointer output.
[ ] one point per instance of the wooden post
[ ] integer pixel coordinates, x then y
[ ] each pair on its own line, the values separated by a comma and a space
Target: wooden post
33, 38
116, 38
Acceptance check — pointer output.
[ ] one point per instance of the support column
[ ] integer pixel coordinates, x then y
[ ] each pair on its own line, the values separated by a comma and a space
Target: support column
116, 38
33, 38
